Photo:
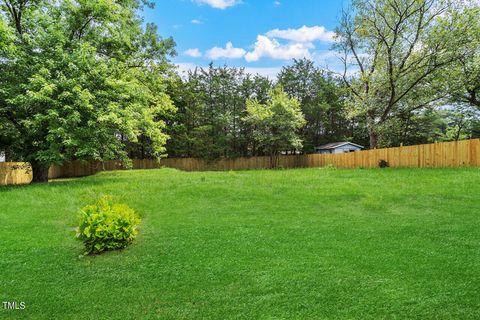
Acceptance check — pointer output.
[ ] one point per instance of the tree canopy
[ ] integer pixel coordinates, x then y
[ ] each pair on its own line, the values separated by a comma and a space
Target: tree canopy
79, 78
398, 50
276, 123
321, 98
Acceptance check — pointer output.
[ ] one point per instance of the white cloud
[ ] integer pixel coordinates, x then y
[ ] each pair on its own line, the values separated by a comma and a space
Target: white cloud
298, 45
196, 21
279, 44
303, 34
219, 4
271, 48
195, 53
277, 3
229, 52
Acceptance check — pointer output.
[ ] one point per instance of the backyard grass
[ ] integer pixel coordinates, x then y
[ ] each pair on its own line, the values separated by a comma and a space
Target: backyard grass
288, 244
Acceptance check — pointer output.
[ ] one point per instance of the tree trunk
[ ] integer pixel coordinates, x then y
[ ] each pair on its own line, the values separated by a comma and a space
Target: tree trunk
40, 172
273, 160
459, 132
373, 138
372, 129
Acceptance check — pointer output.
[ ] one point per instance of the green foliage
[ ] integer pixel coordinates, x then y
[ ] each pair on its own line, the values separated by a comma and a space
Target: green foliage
399, 52
461, 122
80, 80
211, 103
453, 122
411, 128
462, 81
321, 99
276, 123
107, 226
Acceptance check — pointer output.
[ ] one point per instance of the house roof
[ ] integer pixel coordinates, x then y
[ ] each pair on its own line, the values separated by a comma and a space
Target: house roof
335, 145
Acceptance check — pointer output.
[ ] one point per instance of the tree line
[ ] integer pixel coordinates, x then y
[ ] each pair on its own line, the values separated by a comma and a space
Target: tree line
87, 80
212, 113
213, 119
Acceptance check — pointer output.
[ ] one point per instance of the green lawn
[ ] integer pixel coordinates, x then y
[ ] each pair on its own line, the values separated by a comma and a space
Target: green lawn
292, 244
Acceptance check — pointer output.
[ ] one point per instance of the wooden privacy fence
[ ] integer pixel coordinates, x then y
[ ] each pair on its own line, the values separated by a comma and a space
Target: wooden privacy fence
15, 173
436, 155
82, 168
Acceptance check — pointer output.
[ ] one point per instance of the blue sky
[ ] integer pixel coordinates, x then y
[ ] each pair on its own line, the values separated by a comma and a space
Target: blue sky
260, 35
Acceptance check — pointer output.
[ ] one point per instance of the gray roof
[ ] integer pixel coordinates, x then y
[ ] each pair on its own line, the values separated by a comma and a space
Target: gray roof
335, 145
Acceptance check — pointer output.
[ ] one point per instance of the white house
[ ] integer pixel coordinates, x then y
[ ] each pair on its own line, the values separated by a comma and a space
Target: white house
338, 147
2, 156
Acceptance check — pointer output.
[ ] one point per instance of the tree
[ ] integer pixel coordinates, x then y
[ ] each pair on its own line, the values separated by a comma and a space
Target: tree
79, 78
210, 107
462, 122
276, 124
412, 128
396, 49
321, 99
463, 77
467, 80
211, 103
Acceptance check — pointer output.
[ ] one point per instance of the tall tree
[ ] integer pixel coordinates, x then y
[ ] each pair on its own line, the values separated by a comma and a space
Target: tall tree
396, 49
211, 103
321, 99
462, 79
78, 79
255, 87
276, 124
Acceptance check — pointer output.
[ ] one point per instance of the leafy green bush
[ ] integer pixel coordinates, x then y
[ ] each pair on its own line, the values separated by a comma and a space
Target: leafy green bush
107, 226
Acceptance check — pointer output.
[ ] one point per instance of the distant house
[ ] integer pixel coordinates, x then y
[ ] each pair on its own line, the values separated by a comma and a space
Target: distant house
2, 156
338, 147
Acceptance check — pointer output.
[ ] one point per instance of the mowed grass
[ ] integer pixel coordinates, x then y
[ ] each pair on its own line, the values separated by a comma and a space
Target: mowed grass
289, 244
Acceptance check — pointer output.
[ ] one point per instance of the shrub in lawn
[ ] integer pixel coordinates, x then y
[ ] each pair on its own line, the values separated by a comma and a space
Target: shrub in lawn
107, 226
383, 164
